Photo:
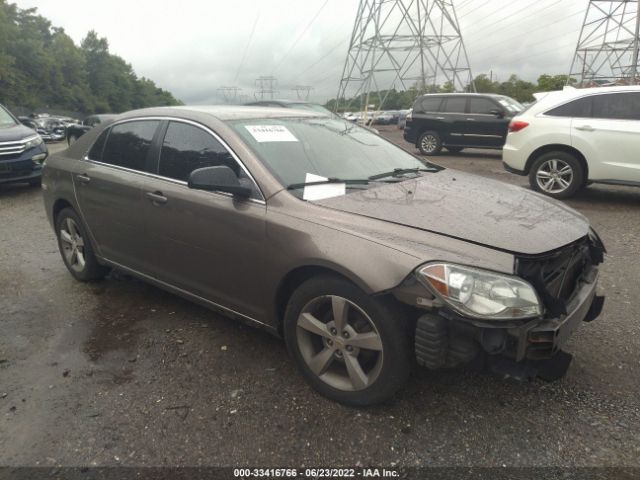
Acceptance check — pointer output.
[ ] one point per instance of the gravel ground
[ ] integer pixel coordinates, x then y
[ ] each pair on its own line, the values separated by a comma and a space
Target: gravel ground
121, 373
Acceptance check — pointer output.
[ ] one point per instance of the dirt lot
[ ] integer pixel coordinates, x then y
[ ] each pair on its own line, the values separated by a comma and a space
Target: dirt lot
120, 372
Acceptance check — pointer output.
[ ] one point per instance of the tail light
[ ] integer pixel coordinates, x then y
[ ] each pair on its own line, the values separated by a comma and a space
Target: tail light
517, 125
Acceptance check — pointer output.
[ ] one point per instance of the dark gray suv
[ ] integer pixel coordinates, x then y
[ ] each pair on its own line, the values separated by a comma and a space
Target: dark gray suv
361, 255
459, 120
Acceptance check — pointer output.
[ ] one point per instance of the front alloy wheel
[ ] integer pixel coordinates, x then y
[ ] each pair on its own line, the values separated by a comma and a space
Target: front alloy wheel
351, 347
339, 343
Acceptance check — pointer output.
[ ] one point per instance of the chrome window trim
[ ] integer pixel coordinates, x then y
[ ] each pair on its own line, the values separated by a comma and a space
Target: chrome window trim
173, 180
580, 97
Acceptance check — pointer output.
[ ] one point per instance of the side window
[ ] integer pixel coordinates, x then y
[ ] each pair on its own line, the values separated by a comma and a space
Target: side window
482, 106
431, 104
187, 148
129, 143
580, 108
96, 150
456, 105
618, 106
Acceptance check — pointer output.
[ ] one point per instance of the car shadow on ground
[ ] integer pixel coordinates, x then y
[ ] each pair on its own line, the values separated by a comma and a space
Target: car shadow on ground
14, 190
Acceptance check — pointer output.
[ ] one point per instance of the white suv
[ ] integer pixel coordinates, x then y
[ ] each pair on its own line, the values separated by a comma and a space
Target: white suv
577, 136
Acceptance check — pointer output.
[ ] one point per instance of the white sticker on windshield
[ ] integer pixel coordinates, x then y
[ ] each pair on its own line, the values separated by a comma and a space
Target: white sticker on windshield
271, 133
318, 192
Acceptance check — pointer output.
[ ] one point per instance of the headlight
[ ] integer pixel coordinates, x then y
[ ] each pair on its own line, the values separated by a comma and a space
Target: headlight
33, 142
481, 294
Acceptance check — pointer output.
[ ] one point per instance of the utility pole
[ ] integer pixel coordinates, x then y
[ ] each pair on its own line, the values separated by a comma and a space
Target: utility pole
413, 43
607, 49
266, 87
302, 91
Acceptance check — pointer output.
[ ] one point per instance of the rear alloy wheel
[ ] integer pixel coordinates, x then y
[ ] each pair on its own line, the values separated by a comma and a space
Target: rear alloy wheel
557, 174
429, 143
349, 346
76, 249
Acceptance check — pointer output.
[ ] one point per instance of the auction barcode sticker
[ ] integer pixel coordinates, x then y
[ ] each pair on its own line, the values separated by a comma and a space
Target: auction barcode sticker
271, 133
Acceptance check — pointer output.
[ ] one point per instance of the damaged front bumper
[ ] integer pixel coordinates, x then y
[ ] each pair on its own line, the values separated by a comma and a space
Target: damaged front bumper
515, 349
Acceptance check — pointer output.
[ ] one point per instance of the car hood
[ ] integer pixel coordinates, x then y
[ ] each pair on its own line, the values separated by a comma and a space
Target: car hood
471, 208
15, 133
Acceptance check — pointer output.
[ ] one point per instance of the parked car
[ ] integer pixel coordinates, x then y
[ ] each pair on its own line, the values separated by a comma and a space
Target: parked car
574, 137
54, 129
457, 121
358, 253
74, 132
22, 151
386, 118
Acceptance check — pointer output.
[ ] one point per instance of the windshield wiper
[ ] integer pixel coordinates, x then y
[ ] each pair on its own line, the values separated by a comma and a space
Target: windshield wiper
329, 181
396, 172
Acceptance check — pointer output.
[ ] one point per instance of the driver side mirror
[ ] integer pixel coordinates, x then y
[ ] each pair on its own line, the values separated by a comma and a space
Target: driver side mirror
497, 112
220, 178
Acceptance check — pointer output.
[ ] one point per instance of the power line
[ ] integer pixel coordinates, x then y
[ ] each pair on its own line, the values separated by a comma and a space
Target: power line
300, 36
246, 48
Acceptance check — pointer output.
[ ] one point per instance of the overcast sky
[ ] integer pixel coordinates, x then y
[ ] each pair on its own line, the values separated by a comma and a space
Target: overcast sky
193, 47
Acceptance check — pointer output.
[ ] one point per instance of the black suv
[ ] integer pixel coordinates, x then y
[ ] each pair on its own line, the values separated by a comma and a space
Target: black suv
459, 120
22, 151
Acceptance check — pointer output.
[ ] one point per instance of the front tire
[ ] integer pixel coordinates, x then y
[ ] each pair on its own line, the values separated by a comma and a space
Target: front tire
350, 347
429, 143
76, 249
557, 174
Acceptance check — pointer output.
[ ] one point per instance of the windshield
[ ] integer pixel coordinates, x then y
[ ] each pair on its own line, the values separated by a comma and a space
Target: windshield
6, 120
330, 148
511, 105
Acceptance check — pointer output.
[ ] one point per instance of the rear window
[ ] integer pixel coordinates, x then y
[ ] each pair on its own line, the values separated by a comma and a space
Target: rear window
455, 105
129, 144
580, 108
96, 150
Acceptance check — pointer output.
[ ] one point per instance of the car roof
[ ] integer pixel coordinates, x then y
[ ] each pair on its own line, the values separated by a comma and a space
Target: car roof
225, 112
547, 100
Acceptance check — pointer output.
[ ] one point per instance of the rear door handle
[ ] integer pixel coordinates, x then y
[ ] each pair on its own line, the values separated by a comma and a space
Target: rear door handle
83, 178
439, 118
157, 198
471, 119
585, 128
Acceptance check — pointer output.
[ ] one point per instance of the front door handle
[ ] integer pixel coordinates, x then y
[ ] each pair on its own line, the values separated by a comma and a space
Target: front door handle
157, 198
585, 128
83, 178
471, 119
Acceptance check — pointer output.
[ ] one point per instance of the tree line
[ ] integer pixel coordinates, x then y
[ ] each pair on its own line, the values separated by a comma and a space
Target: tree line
513, 87
41, 67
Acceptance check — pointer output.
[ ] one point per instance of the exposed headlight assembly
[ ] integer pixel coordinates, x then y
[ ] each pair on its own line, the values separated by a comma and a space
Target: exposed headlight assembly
33, 142
480, 293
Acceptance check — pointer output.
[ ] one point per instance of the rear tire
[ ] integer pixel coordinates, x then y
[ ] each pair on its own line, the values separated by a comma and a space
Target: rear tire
76, 249
557, 174
349, 346
429, 143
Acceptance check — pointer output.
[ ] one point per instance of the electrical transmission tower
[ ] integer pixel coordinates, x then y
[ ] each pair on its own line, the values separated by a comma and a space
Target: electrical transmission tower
302, 91
607, 51
405, 43
230, 94
266, 87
